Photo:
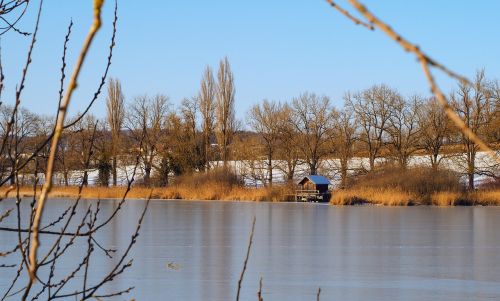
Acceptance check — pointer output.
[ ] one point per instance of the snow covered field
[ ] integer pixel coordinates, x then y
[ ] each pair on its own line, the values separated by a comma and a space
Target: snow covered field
255, 172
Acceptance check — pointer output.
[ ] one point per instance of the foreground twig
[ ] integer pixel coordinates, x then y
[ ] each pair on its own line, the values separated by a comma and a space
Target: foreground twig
55, 140
250, 241
87, 108
8, 8
425, 61
259, 293
349, 16
20, 87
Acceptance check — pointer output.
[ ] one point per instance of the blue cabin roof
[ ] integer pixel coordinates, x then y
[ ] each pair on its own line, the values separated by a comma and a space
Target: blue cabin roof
318, 180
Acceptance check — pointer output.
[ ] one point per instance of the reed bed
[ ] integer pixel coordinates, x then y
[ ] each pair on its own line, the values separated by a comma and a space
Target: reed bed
209, 191
354, 196
396, 197
386, 197
391, 186
383, 187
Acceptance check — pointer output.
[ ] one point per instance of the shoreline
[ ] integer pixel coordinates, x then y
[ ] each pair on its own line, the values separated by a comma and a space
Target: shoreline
349, 197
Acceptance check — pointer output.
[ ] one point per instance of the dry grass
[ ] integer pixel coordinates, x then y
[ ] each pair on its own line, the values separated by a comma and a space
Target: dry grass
382, 187
386, 197
446, 198
479, 197
208, 192
87, 192
485, 197
355, 196
420, 181
397, 197
391, 186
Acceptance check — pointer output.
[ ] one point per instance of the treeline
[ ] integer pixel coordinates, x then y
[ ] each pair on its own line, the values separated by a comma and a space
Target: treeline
166, 142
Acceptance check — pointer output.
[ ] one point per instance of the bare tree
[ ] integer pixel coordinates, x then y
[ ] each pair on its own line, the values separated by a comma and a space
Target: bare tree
475, 105
436, 130
146, 119
102, 156
264, 120
189, 113
74, 148
17, 137
313, 118
288, 150
372, 109
179, 149
494, 133
226, 120
344, 135
189, 129
115, 115
207, 105
38, 150
249, 152
82, 145
403, 129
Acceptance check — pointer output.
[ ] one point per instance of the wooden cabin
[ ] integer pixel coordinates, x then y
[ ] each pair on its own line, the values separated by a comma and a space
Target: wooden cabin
313, 188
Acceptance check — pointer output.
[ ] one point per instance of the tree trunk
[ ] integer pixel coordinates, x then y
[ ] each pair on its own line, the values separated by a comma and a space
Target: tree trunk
470, 175
114, 171
343, 173
290, 172
471, 165
85, 180
224, 156
147, 175
434, 161
403, 162
270, 168
164, 171
207, 153
372, 162
313, 167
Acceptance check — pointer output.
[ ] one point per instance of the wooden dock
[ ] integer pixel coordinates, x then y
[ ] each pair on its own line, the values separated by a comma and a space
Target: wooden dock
308, 195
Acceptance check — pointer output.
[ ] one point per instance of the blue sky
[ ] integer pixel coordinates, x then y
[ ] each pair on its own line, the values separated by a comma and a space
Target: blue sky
277, 49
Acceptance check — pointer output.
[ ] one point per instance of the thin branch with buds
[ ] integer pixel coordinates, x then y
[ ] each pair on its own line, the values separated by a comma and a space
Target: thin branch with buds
55, 140
426, 62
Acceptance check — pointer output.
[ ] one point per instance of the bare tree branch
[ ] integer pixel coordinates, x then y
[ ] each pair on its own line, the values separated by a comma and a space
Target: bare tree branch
250, 241
425, 62
55, 140
349, 16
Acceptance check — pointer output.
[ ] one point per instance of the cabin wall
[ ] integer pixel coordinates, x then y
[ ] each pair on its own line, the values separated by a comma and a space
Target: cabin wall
309, 186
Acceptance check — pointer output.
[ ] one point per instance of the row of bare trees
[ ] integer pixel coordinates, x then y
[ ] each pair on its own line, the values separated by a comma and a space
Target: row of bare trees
377, 123
168, 140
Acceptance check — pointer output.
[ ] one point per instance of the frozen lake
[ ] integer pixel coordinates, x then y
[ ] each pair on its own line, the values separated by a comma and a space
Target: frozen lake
191, 250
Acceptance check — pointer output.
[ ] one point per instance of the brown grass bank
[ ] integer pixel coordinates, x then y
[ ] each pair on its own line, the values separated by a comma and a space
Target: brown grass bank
216, 185
397, 197
383, 187
355, 196
390, 186
203, 192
